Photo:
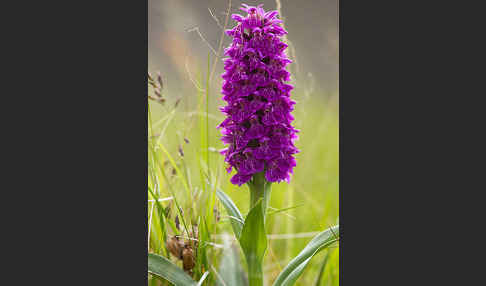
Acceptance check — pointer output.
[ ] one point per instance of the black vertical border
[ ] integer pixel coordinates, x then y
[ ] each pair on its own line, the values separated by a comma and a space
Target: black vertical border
81, 195
408, 127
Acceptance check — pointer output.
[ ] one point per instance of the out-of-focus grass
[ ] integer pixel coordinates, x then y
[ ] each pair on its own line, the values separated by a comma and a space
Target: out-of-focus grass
313, 189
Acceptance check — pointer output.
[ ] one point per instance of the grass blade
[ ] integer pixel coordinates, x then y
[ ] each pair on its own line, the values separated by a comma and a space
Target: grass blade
275, 211
178, 171
207, 118
162, 267
160, 212
204, 239
321, 271
232, 211
294, 269
203, 278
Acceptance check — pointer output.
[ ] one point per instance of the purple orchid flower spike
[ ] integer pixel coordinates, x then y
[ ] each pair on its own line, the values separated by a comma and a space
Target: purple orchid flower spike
258, 128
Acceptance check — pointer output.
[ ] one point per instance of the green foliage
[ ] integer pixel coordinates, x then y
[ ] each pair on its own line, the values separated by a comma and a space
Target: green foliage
162, 267
236, 218
202, 258
321, 272
294, 269
253, 241
260, 189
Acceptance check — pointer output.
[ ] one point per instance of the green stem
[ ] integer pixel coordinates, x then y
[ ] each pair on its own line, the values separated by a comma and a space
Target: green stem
259, 190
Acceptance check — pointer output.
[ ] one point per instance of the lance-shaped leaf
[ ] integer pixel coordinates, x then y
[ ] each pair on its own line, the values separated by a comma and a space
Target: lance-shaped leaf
253, 241
235, 215
321, 271
294, 269
162, 267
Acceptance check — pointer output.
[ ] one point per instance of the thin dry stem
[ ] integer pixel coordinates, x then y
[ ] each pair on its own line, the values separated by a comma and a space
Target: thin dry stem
215, 19
191, 78
196, 29
220, 40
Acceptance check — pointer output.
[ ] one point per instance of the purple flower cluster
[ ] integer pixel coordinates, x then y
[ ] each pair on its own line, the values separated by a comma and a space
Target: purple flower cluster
258, 125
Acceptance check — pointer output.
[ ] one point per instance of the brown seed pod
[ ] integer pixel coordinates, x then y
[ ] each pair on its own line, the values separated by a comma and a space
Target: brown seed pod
157, 92
188, 259
181, 247
217, 215
181, 152
177, 102
159, 79
175, 246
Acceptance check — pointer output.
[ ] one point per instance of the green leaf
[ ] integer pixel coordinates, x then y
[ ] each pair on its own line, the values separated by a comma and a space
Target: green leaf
200, 282
204, 238
162, 267
253, 241
294, 269
321, 271
235, 215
